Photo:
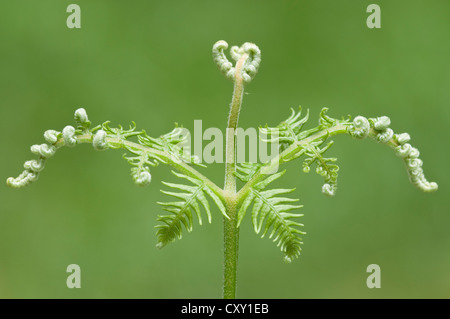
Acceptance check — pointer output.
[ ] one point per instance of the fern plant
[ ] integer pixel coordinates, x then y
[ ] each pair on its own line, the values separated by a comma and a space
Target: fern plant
273, 212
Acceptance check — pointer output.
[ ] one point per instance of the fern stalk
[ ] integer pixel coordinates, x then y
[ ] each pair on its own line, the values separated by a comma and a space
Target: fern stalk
231, 231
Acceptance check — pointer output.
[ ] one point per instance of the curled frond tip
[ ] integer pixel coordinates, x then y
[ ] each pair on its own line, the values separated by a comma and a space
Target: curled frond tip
378, 129
250, 66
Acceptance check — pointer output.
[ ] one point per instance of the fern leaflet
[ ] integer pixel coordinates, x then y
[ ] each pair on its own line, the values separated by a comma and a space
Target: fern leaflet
181, 212
271, 213
325, 166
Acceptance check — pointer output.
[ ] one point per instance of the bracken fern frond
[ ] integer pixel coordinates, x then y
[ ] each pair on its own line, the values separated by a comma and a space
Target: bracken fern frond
181, 212
326, 167
271, 214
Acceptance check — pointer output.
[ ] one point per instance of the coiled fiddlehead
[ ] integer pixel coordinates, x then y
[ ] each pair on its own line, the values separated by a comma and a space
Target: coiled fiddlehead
251, 64
33, 168
380, 131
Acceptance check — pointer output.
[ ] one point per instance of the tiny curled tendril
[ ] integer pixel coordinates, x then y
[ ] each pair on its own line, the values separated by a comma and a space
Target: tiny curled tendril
360, 128
221, 60
68, 134
51, 136
141, 177
81, 118
33, 168
99, 141
44, 150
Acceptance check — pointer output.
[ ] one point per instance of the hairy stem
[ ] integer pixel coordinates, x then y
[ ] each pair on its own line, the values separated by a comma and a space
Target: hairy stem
233, 118
231, 231
231, 246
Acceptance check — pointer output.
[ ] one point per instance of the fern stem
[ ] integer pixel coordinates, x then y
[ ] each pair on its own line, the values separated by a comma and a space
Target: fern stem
231, 248
233, 118
231, 231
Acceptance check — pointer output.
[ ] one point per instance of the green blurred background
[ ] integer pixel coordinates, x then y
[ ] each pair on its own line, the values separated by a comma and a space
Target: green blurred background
150, 61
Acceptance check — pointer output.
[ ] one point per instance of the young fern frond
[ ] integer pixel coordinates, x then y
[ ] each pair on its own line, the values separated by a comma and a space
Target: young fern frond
174, 142
325, 167
296, 143
290, 132
273, 211
287, 132
140, 172
245, 171
146, 152
181, 211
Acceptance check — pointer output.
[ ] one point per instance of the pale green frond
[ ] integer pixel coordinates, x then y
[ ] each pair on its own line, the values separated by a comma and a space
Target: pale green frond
271, 214
288, 131
191, 200
245, 171
325, 167
175, 143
